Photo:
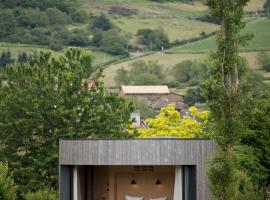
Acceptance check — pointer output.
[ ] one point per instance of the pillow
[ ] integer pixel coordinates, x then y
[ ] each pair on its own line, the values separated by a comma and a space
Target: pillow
133, 198
160, 198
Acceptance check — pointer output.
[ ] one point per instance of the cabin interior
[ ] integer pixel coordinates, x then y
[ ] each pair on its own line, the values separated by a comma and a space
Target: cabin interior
149, 182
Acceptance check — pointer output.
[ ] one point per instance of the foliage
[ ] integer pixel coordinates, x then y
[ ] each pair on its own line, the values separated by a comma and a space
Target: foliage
170, 123
7, 186
154, 39
190, 72
256, 135
141, 73
143, 107
46, 194
194, 95
33, 22
55, 98
264, 61
230, 174
100, 22
5, 59
113, 42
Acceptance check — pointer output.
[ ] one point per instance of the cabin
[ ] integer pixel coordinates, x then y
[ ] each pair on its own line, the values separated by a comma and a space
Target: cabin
134, 169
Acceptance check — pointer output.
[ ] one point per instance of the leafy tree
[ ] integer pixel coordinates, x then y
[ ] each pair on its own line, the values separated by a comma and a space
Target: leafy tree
56, 16
78, 38
224, 94
114, 43
7, 23
121, 77
153, 39
181, 71
6, 58
7, 186
46, 194
194, 95
170, 123
54, 98
141, 73
191, 72
32, 18
264, 61
101, 22
22, 57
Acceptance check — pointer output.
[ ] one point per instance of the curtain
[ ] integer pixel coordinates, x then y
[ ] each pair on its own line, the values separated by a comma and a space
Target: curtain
178, 184
75, 183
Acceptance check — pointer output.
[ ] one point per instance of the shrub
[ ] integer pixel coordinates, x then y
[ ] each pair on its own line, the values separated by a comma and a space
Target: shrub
56, 16
100, 22
32, 18
113, 43
78, 38
154, 39
264, 61
46, 194
7, 186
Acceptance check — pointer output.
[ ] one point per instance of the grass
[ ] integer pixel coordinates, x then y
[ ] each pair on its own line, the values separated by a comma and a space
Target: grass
169, 60
259, 28
172, 17
15, 49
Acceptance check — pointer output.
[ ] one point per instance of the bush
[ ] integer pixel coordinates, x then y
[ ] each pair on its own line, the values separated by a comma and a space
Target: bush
8, 23
154, 39
190, 72
56, 16
264, 61
32, 18
100, 22
113, 43
78, 38
194, 95
46, 194
7, 186
56, 45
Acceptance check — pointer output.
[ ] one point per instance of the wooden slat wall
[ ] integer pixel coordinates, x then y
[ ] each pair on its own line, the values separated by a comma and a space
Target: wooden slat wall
141, 152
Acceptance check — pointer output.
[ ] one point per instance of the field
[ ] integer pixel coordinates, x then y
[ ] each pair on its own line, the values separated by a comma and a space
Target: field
168, 61
259, 28
16, 49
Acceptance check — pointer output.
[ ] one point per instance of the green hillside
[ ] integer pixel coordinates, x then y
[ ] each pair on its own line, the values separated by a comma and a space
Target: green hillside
259, 28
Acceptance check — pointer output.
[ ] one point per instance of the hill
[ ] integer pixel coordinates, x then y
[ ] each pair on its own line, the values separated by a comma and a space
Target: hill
259, 28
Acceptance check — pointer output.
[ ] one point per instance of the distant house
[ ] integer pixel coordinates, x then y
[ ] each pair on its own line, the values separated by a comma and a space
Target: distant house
145, 92
165, 100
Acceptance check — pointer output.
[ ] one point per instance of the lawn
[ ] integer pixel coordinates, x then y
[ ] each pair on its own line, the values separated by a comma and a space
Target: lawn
259, 28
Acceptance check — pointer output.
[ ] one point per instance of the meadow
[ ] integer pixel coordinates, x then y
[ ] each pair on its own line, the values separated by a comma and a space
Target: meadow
260, 28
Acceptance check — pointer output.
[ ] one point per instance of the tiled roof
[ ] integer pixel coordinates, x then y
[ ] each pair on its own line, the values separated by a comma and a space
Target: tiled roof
153, 89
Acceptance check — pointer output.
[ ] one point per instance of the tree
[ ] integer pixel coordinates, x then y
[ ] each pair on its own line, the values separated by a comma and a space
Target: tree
141, 73
264, 61
170, 123
7, 186
121, 77
55, 98
181, 71
7, 23
6, 59
101, 22
22, 57
154, 39
194, 95
114, 43
223, 92
56, 16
